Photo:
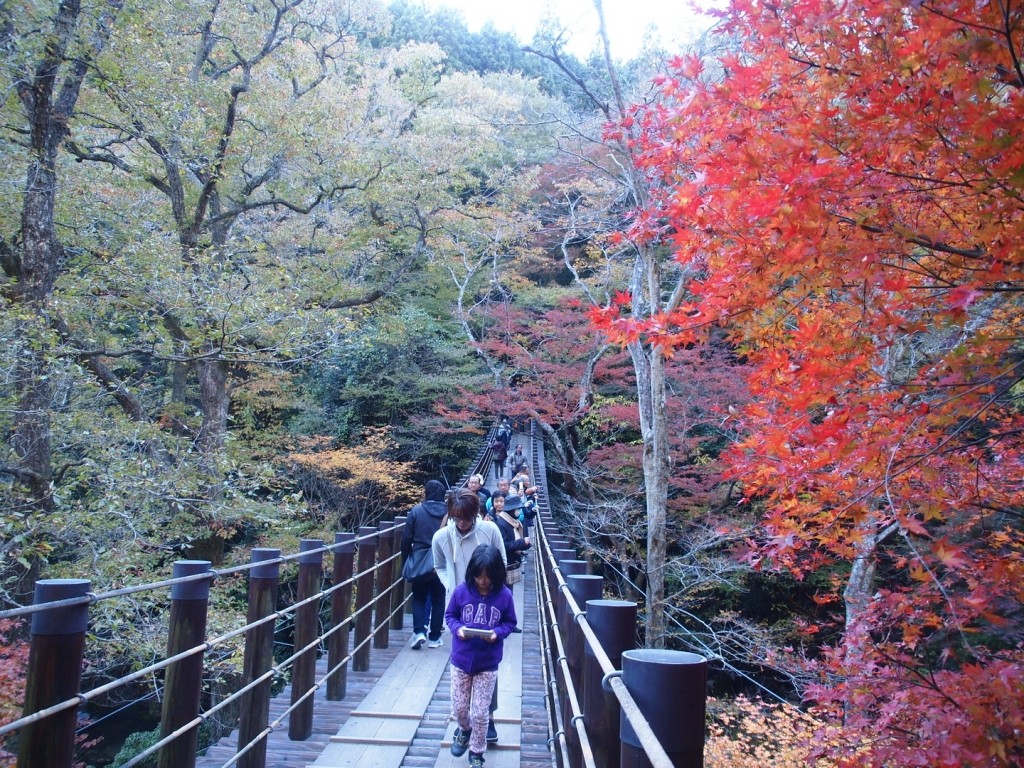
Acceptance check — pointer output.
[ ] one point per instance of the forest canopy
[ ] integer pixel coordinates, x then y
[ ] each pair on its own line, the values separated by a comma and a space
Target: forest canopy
269, 267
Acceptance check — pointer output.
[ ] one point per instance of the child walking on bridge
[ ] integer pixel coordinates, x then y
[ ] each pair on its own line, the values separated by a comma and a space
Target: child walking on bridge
480, 615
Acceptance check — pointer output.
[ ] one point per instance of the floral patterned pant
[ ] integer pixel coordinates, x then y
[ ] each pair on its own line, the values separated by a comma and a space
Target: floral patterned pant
471, 700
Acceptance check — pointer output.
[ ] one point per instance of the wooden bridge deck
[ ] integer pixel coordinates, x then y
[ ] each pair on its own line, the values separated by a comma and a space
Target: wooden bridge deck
396, 714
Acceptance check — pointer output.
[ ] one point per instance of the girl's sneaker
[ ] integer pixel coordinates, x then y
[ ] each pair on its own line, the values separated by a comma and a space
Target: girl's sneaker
476, 760
460, 742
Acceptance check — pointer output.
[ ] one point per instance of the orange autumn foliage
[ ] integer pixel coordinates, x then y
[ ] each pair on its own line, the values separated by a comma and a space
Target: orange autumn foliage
746, 733
359, 481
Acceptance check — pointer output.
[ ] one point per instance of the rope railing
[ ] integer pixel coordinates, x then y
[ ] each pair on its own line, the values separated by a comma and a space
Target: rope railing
91, 598
367, 595
95, 693
586, 698
272, 726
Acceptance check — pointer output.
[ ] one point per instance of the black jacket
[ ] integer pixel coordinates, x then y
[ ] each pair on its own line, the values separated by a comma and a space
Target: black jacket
514, 547
421, 525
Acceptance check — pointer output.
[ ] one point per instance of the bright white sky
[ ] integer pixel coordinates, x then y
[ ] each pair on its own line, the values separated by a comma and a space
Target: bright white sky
627, 20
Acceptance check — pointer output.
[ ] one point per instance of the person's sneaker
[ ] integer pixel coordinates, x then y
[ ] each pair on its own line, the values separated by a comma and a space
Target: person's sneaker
476, 760
517, 630
460, 741
418, 640
492, 734
439, 643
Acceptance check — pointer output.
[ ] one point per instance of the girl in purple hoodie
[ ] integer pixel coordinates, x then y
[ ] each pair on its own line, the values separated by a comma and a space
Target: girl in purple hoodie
480, 615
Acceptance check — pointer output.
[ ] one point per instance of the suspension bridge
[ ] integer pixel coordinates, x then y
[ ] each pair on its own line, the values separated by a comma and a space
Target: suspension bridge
572, 689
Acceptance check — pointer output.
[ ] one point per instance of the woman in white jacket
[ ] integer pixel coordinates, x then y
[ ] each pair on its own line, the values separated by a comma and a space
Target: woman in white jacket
453, 545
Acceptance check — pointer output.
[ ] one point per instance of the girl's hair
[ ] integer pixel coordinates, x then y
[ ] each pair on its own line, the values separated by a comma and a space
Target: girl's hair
486, 559
463, 504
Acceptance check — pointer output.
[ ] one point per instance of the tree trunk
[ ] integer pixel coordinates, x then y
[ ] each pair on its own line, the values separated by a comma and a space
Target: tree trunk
860, 585
649, 366
48, 95
214, 402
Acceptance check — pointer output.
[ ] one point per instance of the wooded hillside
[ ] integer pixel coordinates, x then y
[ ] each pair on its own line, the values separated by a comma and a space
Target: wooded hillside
267, 267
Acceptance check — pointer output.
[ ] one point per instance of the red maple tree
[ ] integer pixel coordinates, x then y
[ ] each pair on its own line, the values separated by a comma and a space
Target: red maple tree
847, 189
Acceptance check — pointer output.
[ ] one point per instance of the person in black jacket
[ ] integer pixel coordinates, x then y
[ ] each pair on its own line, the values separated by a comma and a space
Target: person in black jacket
427, 590
513, 532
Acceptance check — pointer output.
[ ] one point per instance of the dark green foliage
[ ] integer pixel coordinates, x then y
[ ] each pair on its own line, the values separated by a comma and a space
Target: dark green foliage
136, 743
391, 372
489, 50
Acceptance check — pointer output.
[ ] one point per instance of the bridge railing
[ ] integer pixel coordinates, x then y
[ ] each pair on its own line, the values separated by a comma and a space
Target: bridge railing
609, 703
367, 597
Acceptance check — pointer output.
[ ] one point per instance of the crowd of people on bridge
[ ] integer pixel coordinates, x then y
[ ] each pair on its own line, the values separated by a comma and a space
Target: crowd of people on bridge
463, 553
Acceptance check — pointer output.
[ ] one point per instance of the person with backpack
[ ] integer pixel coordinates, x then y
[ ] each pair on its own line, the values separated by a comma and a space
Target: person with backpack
505, 434
428, 593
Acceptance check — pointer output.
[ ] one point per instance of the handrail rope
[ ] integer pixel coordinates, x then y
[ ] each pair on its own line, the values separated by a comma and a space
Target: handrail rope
552, 705
271, 727
648, 740
275, 670
284, 663
687, 636
280, 667
86, 696
561, 660
90, 598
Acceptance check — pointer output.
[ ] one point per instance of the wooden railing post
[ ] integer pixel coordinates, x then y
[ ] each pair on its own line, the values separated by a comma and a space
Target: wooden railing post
614, 625
259, 657
399, 593
307, 624
367, 550
341, 610
567, 627
54, 674
562, 616
385, 568
669, 690
183, 683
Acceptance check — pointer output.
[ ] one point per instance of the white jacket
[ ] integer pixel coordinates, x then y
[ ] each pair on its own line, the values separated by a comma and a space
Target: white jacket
452, 551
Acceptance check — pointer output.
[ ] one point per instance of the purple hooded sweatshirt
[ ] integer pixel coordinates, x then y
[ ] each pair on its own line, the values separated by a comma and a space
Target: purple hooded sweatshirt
468, 608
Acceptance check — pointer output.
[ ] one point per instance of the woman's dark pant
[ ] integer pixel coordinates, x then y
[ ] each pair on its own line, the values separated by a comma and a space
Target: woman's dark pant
428, 602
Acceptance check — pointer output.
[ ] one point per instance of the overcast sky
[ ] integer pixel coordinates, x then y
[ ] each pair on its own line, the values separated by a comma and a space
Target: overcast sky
627, 20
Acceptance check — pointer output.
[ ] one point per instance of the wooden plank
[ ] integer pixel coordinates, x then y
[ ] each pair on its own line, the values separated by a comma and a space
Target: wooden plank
377, 728
409, 682
361, 756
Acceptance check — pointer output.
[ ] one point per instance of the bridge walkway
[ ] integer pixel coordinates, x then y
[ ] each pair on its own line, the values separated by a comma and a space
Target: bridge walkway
396, 714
